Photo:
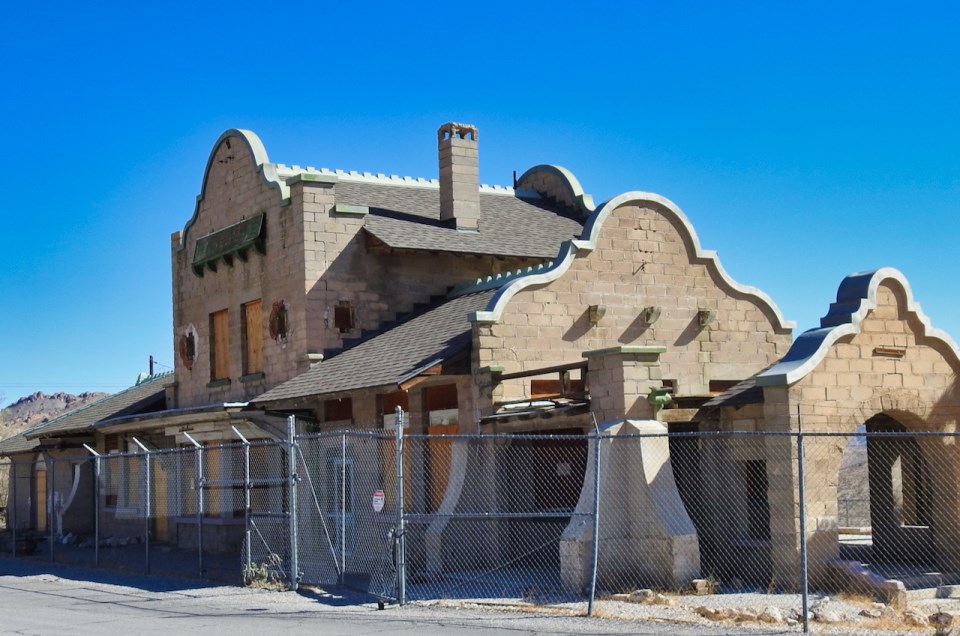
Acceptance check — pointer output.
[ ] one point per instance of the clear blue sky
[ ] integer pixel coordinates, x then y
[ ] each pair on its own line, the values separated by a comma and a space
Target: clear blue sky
805, 140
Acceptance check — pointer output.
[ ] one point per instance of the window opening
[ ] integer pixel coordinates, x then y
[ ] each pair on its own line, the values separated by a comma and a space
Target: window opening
758, 508
344, 316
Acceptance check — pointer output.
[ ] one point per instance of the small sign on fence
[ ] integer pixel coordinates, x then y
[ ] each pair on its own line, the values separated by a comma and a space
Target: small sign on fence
378, 500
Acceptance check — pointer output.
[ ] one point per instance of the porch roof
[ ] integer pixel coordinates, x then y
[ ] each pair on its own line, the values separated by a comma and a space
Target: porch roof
141, 396
17, 444
392, 357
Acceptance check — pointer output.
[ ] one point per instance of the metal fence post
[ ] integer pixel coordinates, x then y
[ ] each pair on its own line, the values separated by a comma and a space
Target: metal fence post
51, 504
803, 527
343, 507
292, 516
96, 505
13, 516
400, 538
247, 487
147, 508
198, 483
596, 517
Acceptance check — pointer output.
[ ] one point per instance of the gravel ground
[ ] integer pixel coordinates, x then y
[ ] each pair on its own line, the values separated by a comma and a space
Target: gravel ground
682, 611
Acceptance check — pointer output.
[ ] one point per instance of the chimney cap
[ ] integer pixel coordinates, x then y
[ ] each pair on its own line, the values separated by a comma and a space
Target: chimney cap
452, 129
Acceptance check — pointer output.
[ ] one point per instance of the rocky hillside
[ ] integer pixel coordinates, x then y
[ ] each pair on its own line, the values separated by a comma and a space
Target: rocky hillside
38, 408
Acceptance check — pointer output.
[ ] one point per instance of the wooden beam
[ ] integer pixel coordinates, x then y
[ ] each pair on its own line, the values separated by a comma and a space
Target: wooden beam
543, 371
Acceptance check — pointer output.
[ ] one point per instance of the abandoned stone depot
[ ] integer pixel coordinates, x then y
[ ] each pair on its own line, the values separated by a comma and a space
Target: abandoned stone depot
338, 296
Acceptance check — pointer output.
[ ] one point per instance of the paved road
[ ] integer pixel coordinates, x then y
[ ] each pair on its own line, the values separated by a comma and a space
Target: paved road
38, 599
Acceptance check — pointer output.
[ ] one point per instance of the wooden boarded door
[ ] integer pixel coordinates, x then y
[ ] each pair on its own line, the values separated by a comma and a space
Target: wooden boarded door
161, 508
40, 497
441, 404
438, 467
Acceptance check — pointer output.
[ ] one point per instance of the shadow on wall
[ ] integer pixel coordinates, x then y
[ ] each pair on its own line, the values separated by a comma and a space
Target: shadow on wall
580, 327
634, 330
946, 411
690, 332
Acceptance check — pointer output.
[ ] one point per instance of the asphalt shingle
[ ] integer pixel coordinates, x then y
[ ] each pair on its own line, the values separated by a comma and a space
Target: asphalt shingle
408, 217
392, 356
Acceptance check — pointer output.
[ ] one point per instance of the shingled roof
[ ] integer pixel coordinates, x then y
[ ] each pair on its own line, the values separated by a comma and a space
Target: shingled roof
408, 217
393, 356
17, 444
142, 395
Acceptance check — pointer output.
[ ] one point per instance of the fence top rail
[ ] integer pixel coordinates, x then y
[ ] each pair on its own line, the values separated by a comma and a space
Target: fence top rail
678, 434
488, 437
377, 433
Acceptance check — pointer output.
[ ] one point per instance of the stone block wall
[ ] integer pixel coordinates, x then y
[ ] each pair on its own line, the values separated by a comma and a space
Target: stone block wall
315, 258
643, 258
889, 367
234, 190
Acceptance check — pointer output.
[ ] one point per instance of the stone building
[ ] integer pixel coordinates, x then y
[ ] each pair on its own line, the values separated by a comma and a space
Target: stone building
339, 296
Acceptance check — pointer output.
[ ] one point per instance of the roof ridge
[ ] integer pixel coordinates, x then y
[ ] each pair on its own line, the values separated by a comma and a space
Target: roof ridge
287, 172
140, 382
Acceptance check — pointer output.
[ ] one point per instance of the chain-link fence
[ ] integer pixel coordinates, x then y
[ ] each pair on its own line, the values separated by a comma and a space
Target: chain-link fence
5, 483
532, 518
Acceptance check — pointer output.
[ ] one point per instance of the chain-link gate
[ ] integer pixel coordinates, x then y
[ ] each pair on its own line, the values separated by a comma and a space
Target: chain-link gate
489, 513
266, 479
348, 523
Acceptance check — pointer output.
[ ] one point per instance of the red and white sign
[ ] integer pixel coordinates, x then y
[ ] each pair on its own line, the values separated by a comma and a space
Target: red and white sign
378, 500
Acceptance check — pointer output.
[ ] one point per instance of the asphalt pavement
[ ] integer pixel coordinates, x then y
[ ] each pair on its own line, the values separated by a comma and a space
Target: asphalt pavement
37, 598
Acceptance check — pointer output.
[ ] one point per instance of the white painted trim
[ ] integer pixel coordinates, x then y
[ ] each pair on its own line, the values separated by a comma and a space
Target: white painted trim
584, 200
856, 297
261, 163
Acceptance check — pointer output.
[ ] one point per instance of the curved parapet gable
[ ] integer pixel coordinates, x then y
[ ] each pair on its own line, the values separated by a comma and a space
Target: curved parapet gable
856, 297
588, 242
258, 154
558, 183
568, 252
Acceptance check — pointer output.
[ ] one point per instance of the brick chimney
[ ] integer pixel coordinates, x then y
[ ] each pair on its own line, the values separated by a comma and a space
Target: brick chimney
459, 176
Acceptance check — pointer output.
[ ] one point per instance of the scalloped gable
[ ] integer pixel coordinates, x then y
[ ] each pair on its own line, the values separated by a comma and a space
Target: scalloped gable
588, 241
856, 298
559, 184
261, 164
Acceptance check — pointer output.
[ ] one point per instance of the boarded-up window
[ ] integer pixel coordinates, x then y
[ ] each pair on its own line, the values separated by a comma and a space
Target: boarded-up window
219, 345
338, 410
252, 338
540, 389
436, 398
111, 443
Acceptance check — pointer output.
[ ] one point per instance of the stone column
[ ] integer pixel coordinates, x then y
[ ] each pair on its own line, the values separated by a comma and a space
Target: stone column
620, 378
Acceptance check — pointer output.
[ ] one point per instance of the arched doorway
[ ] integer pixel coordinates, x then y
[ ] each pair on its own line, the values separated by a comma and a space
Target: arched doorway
901, 493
